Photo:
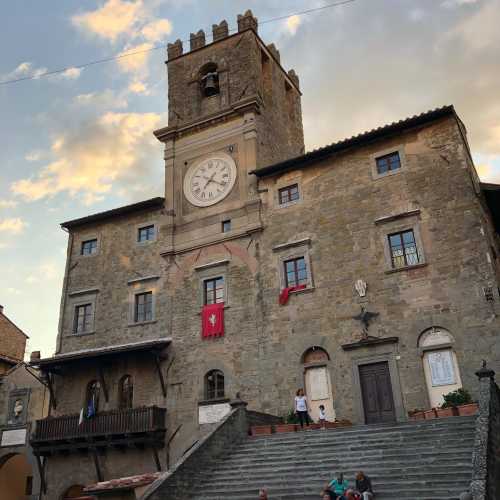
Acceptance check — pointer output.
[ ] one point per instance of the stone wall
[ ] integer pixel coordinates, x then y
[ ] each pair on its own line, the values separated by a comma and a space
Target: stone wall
12, 339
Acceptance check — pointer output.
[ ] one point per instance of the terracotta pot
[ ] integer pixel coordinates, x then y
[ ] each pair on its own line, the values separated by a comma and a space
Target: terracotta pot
470, 409
261, 430
280, 428
445, 412
430, 414
417, 415
337, 424
315, 426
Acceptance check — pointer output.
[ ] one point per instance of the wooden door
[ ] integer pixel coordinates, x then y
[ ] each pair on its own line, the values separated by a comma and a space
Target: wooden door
319, 392
376, 390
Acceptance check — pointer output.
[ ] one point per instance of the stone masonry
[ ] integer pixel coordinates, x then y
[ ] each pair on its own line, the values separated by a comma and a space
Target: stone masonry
339, 224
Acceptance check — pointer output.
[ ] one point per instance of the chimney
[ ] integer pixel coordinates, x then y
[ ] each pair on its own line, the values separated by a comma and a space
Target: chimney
197, 40
35, 356
220, 31
247, 21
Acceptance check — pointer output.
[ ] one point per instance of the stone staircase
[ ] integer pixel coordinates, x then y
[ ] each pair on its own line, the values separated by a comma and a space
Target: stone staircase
423, 460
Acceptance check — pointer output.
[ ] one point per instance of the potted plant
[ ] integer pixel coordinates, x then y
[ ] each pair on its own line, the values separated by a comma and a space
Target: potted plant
430, 414
461, 400
445, 411
290, 424
416, 414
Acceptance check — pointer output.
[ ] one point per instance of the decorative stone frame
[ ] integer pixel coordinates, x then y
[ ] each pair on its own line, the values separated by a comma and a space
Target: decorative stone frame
293, 250
136, 287
143, 225
81, 298
397, 397
15, 395
212, 270
402, 160
282, 182
88, 237
397, 223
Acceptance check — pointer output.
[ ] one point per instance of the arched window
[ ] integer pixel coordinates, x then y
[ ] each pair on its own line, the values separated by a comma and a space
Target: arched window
442, 374
92, 397
315, 354
209, 80
126, 394
214, 385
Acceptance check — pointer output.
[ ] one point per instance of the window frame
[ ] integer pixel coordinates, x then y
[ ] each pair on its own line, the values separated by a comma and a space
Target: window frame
403, 246
215, 288
226, 226
88, 389
292, 250
146, 319
399, 149
77, 307
296, 270
143, 227
89, 240
387, 158
217, 395
126, 400
288, 189
285, 181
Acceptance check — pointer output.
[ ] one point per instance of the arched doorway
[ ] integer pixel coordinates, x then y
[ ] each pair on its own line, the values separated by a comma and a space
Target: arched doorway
317, 382
16, 477
442, 374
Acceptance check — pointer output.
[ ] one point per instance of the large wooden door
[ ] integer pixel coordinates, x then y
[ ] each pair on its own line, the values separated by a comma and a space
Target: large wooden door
376, 390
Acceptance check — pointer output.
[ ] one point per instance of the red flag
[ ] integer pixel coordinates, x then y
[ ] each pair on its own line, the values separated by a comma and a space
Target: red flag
212, 320
285, 293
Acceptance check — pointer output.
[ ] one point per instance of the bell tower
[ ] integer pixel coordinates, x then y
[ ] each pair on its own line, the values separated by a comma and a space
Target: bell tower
231, 108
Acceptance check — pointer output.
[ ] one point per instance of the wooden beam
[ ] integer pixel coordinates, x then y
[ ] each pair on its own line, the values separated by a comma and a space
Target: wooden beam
41, 473
97, 467
160, 375
157, 459
103, 384
52, 401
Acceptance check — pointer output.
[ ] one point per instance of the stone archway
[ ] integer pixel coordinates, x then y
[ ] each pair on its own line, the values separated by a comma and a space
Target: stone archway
16, 477
318, 386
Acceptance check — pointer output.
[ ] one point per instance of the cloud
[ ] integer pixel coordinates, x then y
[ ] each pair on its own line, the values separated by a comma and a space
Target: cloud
106, 99
33, 156
156, 30
292, 24
139, 88
114, 19
458, 3
134, 59
70, 74
8, 204
44, 272
90, 159
24, 70
12, 226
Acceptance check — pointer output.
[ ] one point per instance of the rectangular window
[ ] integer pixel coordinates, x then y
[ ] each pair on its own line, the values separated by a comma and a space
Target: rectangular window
288, 194
295, 272
143, 310
83, 318
146, 233
403, 249
213, 291
388, 163
89, 247
226, 226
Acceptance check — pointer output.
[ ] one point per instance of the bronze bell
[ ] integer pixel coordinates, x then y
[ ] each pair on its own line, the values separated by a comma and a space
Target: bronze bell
211, 86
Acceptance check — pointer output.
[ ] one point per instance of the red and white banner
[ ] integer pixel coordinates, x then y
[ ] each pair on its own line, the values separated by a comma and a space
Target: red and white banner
285, 293
212, 320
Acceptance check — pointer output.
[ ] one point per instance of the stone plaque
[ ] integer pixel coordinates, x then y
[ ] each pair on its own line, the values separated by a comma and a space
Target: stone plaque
13, 437
318, 383
210, 414
441, 367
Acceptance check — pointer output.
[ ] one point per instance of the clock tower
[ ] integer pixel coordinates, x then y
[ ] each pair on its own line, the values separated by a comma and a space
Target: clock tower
232, 108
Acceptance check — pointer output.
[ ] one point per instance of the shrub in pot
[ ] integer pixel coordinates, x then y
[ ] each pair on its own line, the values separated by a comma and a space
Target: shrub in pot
461, 400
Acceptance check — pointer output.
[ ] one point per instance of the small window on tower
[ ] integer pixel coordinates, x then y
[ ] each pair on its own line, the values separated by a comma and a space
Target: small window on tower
288, 194
209, 80
226, 226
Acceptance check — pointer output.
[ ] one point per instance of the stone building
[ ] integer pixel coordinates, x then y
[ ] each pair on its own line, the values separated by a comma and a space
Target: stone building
365, 271
23, 399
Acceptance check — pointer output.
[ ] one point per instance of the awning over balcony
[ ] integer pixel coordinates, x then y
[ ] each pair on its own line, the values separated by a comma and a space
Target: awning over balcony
48, 364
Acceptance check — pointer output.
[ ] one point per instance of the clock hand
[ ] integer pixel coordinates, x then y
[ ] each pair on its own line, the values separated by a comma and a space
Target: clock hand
209, 180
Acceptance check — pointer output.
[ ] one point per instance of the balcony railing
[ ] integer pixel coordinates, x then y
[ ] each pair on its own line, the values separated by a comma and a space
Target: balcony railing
107, 426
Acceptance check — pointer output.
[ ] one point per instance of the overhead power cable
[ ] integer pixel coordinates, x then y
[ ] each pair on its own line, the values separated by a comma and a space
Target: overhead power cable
160, 46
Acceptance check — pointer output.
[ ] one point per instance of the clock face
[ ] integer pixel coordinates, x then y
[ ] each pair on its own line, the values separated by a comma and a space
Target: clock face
210, 180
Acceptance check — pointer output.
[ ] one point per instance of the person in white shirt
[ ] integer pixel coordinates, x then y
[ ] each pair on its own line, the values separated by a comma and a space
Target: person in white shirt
322, 415
301, 408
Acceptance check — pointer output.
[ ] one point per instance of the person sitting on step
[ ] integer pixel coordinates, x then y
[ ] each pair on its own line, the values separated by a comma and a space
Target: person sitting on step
327, 493
339, 486
352, 495
263, 494
364, 486
301, 408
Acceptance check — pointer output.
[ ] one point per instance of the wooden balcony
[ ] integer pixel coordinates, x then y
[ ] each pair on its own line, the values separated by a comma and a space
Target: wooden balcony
137, 426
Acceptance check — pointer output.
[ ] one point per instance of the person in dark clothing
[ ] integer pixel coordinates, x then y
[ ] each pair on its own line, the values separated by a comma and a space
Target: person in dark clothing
364, 486
328, 494
301, 408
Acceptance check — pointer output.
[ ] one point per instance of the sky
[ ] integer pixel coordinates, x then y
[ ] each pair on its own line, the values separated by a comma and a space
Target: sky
80, 141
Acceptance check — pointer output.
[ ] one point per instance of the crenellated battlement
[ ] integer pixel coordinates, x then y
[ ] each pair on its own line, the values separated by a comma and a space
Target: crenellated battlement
246, 21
